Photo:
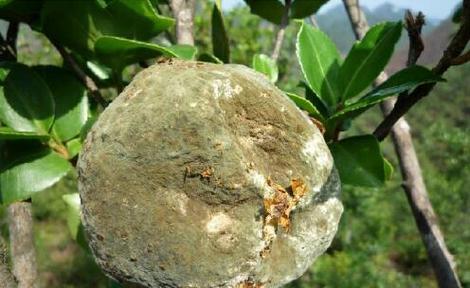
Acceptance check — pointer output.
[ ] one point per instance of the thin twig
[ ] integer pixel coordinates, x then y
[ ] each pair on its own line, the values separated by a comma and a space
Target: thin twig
281, 32
453, 51
414, 27
413, 183
86, 80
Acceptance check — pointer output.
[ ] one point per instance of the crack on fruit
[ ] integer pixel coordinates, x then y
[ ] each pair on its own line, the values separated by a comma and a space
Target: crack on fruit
278, 207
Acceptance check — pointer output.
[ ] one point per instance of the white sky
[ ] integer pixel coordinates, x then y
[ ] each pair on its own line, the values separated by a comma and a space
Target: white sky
438, 9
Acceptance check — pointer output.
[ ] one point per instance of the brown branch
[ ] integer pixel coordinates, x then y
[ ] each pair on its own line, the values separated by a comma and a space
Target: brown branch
84, 78
453, 51
414, 27
281, 32
462, 59
413, 184
183, 11
23, 253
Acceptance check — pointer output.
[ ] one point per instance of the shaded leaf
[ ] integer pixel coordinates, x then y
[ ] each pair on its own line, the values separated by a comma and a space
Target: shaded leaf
303, 8
320, 62
220, 42
79, 24
367, 58
401, 81
71, 102
10, 134
271, 10
26, 103
86, 128
264, 64
305, 105
359, 161
20, 10
316, 101
30, 174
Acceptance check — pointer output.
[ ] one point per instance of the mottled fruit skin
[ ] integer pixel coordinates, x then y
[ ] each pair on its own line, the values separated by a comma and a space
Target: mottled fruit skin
175, 175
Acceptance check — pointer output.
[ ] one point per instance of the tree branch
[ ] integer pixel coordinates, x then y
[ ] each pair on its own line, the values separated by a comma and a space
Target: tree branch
453, 51
281, 32
84, 78
23, 253
413, 184
414, 26
462, 59
183, 11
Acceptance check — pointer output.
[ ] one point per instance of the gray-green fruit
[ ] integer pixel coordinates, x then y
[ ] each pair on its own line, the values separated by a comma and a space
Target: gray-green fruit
189, 177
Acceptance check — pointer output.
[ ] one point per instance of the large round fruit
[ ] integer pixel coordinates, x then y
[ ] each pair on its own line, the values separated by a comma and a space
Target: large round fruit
205, 175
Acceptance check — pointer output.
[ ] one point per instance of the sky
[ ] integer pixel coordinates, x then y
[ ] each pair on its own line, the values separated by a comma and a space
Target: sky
437, 9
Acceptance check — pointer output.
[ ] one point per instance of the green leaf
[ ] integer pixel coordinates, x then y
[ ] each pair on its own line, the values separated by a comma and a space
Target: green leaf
368, 58
71, 102
306, 105
320, 62
26, 103
207, 57
316, 101
264, 64
79, 24
399, 82
220, 42
10, 134
73, 147
73, 213
119, 52
388, 169
303, 8
30, 174
271, 10
359, 161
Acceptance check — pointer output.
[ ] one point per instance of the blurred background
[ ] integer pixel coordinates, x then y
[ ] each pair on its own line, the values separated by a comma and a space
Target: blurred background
377, 244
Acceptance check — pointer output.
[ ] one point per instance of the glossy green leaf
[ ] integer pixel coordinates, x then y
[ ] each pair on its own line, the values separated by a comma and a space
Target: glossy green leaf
264, 64
71, 102
7, 133
316, 101
359, 161
368, 58
320, 62
119, 52
303, 8
73, 213
79, 24
73, 147
31, 173
26, 103
305, 105
401, 81
271, 10
220, 42
207, 57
